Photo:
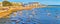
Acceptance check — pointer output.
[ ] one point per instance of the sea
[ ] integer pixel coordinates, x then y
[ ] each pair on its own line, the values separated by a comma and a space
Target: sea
46, 15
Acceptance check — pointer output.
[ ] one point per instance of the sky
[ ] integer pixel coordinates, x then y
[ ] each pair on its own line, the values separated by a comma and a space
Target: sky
46, 2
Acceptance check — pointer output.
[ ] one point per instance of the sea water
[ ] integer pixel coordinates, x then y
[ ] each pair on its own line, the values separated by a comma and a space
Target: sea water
46, 15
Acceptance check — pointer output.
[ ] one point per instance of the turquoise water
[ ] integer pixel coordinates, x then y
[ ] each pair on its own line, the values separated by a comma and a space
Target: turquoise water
47, 15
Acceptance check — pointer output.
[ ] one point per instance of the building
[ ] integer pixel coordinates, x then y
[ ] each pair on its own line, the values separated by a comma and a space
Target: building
0, 3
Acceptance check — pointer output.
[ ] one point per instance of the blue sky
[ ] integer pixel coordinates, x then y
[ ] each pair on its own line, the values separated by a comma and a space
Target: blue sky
46, 2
